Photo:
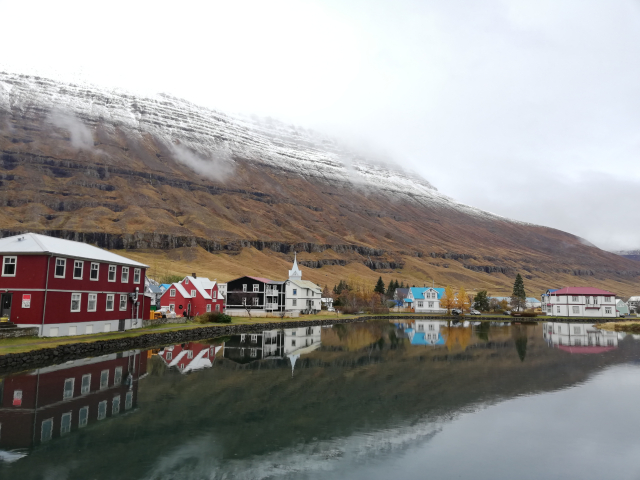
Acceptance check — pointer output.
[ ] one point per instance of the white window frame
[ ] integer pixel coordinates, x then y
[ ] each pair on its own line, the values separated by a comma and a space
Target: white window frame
83, 420
124, 275
607, 310
136, 275
117, 376
123, 303
110, 297
81, 264
217, 307
172, 307
172, 292
97, 270
72, 381
115, 401
106, 383
48, 421
79, 298
254, 338
84, 389
193, 293
128, 401
189, 354
214, 295
92, 297
113, 269
244, 287
168, 355
63, 430
256, 301
102, 405
5, 263
576, 309
64, 267
208, 307
256, 288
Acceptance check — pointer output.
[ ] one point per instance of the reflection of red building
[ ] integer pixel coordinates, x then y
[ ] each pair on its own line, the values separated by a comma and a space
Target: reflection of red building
190, 356
54, 401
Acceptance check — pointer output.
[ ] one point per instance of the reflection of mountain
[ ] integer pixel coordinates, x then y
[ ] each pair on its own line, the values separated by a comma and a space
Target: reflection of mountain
245, 421
579, 338
52, 402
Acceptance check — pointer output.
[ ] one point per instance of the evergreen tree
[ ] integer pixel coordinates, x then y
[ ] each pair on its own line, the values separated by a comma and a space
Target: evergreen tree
481, 301
519, 296
391, 289
379, 288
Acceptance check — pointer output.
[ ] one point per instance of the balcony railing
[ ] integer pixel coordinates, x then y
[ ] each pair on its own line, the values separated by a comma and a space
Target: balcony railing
271, 306
272, 291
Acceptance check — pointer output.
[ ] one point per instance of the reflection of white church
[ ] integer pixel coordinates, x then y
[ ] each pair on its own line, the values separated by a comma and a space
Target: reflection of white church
301, 340
579, 337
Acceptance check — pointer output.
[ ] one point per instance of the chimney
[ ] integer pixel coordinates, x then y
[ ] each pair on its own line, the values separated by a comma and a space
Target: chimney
194, 275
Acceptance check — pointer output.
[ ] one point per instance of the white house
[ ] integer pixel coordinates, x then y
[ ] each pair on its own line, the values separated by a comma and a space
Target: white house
301, 296
634, 304
578, 337
581, 302
425, 299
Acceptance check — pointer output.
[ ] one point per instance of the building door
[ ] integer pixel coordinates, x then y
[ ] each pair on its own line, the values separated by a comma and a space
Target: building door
5, 304
189, 310
121, 325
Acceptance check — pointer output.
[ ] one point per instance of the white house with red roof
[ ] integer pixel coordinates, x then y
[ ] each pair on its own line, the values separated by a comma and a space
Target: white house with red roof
581, 302
193, 296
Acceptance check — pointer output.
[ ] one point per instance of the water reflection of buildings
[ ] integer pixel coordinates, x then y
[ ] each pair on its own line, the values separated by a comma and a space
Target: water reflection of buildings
272, 344
55, 401
426, 332
188, 357
579, 338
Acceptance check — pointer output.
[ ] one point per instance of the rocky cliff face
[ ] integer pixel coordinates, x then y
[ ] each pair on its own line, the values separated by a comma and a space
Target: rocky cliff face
158, 173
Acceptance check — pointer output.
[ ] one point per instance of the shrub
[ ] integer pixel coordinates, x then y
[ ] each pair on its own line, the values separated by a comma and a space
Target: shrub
213, 317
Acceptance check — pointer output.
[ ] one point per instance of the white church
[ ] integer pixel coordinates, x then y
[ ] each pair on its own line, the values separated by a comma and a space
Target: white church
301, 296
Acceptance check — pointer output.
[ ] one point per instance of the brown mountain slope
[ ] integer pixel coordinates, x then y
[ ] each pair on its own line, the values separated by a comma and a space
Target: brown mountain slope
187, 189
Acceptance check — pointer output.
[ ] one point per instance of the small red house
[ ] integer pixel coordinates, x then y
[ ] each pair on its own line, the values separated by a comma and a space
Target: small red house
69, 288
193, 296
190, 356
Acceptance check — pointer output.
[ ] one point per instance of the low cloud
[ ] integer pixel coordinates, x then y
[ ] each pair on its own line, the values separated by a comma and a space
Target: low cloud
81, 135
215, 165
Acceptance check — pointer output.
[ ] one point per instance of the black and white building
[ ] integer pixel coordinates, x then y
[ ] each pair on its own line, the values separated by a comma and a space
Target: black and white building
255, 295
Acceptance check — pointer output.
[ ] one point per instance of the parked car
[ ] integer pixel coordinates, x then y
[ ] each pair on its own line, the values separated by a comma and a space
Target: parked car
331, 309
456, 311
507, 312
474, 312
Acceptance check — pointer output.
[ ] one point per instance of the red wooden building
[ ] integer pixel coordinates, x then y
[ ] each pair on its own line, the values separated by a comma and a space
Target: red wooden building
69, 288
191, 356
193, 296
54, 401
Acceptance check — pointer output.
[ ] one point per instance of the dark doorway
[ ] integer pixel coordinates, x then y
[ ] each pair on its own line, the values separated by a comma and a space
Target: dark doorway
5, 305
121, 325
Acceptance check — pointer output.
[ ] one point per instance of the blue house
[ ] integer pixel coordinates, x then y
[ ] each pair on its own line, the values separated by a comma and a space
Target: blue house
425, 299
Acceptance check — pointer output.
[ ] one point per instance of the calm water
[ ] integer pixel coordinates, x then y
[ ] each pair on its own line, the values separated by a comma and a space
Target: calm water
367, 401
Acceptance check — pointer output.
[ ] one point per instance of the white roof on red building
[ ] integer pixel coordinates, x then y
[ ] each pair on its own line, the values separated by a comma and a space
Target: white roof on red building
34, 243
583, 291
203, 285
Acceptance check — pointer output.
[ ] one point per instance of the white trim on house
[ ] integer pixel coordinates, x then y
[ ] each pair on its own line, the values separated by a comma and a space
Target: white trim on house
5, 263
63, 265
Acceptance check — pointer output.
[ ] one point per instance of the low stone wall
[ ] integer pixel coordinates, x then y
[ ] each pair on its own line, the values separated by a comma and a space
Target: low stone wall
256, 314
19, 332
163, 321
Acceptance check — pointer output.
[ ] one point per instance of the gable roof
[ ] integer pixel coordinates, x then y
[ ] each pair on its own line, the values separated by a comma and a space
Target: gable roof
180, 289
197, 283
418, 292
305, 284
583, 291
34, 243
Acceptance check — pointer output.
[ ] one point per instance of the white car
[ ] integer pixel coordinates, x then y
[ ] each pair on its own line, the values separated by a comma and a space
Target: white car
474, 312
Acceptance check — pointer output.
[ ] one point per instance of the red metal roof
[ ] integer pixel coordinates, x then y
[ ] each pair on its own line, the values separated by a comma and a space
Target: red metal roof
582, 291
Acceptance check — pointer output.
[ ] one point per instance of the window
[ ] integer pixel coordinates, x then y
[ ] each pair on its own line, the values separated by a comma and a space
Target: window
104, 379
244, 300
193, 294
102, 410
214, 295
83, 417
68, 388
128, 401
61, 264
208, 307
172, 307
256, 288
109, 306
558, 309
430, 304
253, 352
88, 329
609, 342
254, 338
576, 309
169, 355
295, 291
112, 273
136, 275
77, 269
115, 405
242, 338
577, 342
9, 266
186, 281
256, 301
189, 354
46, 430
559, 329
576, 330
607, 310
244, 287
294, 303
117, 376
172, 292
217, 307
420, 304
421, 327
123, 303
85, 387
293, 343
574, 299
75, 302
431, 326
65, 423
95, 270
125, 275
293, 333
92, 302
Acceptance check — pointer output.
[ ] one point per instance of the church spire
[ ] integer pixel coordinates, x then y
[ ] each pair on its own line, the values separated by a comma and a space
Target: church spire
295, 273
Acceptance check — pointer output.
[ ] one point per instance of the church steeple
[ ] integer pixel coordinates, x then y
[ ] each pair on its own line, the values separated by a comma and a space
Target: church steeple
295, 273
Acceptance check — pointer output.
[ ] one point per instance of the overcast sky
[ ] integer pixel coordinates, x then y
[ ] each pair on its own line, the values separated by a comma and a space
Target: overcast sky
529, 109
